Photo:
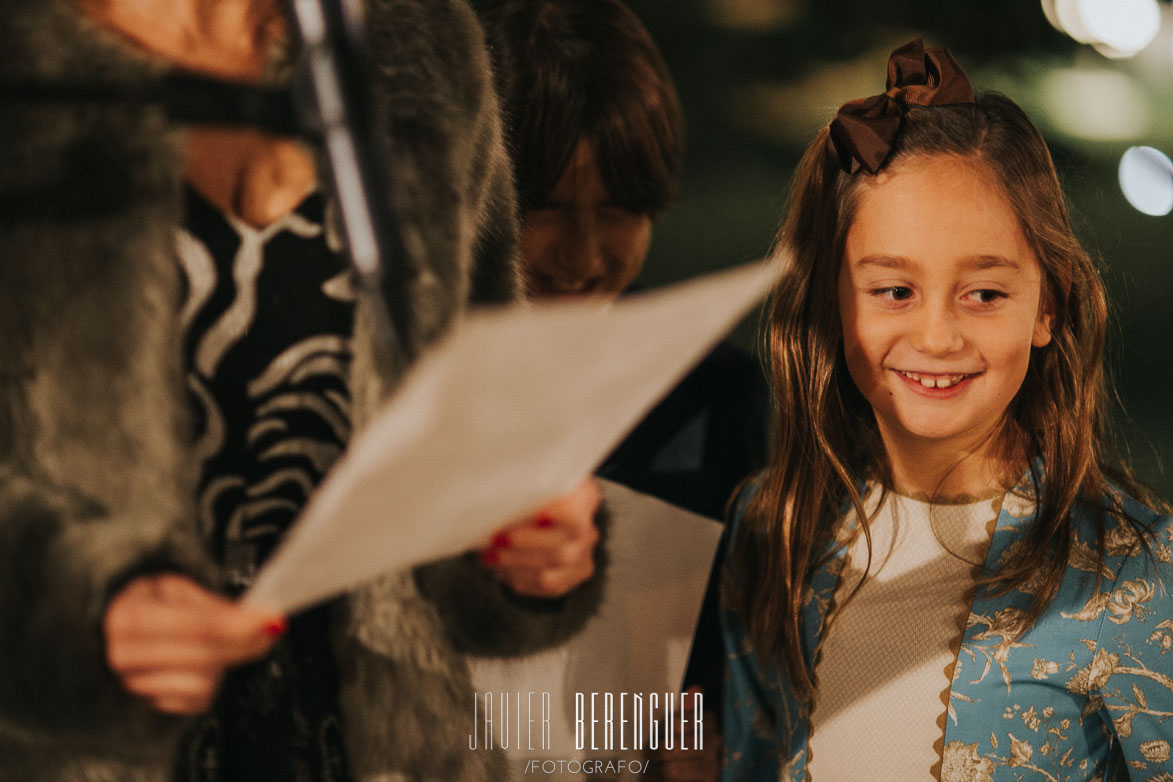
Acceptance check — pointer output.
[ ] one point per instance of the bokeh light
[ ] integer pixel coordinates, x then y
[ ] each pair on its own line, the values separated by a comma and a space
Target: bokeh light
1146, 179
1097, 104
751, 15
1122, 25
1052, 16
1071, 21
1117, 28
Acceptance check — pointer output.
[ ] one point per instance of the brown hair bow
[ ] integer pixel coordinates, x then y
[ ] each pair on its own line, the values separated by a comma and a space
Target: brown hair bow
864, 130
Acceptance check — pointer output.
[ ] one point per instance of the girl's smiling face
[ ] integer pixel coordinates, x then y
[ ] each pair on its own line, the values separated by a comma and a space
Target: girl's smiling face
939, 294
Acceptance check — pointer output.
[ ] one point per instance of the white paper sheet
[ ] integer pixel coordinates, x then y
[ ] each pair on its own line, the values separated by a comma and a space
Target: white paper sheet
660, 558
510, 410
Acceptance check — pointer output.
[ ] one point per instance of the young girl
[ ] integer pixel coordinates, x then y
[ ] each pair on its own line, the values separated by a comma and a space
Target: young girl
938, 577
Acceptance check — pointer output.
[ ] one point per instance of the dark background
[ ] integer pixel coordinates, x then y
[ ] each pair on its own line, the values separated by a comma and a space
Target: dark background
759, 77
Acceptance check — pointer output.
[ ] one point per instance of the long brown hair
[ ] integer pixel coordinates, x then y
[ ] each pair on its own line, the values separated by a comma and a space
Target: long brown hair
827, 443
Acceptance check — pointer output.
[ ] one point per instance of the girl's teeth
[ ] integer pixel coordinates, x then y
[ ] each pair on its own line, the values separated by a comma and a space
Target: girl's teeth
935, 382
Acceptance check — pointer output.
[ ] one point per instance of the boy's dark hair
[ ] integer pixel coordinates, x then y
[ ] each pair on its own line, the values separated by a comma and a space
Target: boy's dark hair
569, 70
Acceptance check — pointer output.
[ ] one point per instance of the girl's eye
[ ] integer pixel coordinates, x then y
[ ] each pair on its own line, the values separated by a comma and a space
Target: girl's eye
985, 296
893, 293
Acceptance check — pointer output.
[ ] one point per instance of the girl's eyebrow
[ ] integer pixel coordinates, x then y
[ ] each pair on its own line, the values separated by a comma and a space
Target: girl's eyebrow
975, 263
982, 262
885, 262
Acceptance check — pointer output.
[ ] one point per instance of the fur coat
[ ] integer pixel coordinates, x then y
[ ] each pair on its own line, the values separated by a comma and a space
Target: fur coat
96, 480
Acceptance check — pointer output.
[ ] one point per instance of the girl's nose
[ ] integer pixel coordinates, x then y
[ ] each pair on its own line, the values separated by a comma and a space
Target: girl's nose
937, 331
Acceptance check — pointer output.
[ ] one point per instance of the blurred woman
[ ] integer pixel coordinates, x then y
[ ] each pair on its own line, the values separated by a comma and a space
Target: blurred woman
182, 358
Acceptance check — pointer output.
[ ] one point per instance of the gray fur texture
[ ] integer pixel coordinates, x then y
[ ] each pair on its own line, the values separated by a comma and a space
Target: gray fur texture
96, 483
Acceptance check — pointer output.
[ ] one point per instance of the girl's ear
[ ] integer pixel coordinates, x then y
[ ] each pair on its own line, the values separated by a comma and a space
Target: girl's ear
1042, 333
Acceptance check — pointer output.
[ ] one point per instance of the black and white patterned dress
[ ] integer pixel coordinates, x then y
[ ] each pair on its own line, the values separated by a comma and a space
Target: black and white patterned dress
267, 323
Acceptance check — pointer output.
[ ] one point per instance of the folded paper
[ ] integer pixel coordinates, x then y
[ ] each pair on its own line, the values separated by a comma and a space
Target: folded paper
510, 410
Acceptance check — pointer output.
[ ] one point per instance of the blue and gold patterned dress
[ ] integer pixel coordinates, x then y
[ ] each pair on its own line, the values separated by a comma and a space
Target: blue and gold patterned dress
1086, 688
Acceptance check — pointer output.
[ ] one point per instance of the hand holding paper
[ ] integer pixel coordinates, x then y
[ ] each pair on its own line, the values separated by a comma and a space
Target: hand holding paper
551, 554
511, 409
169, 640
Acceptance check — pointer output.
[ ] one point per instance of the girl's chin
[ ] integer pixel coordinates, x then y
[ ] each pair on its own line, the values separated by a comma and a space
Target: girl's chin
932, 430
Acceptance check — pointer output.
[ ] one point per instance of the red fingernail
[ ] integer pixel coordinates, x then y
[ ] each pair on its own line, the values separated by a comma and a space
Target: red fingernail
491, 557
545, 522
501, 540
276, 628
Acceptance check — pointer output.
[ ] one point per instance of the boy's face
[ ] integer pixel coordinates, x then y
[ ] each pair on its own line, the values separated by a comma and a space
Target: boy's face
580, 242
939, 296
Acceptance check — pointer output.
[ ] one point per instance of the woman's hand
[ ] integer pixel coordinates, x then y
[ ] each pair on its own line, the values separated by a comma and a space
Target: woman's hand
169, 640
553, 552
